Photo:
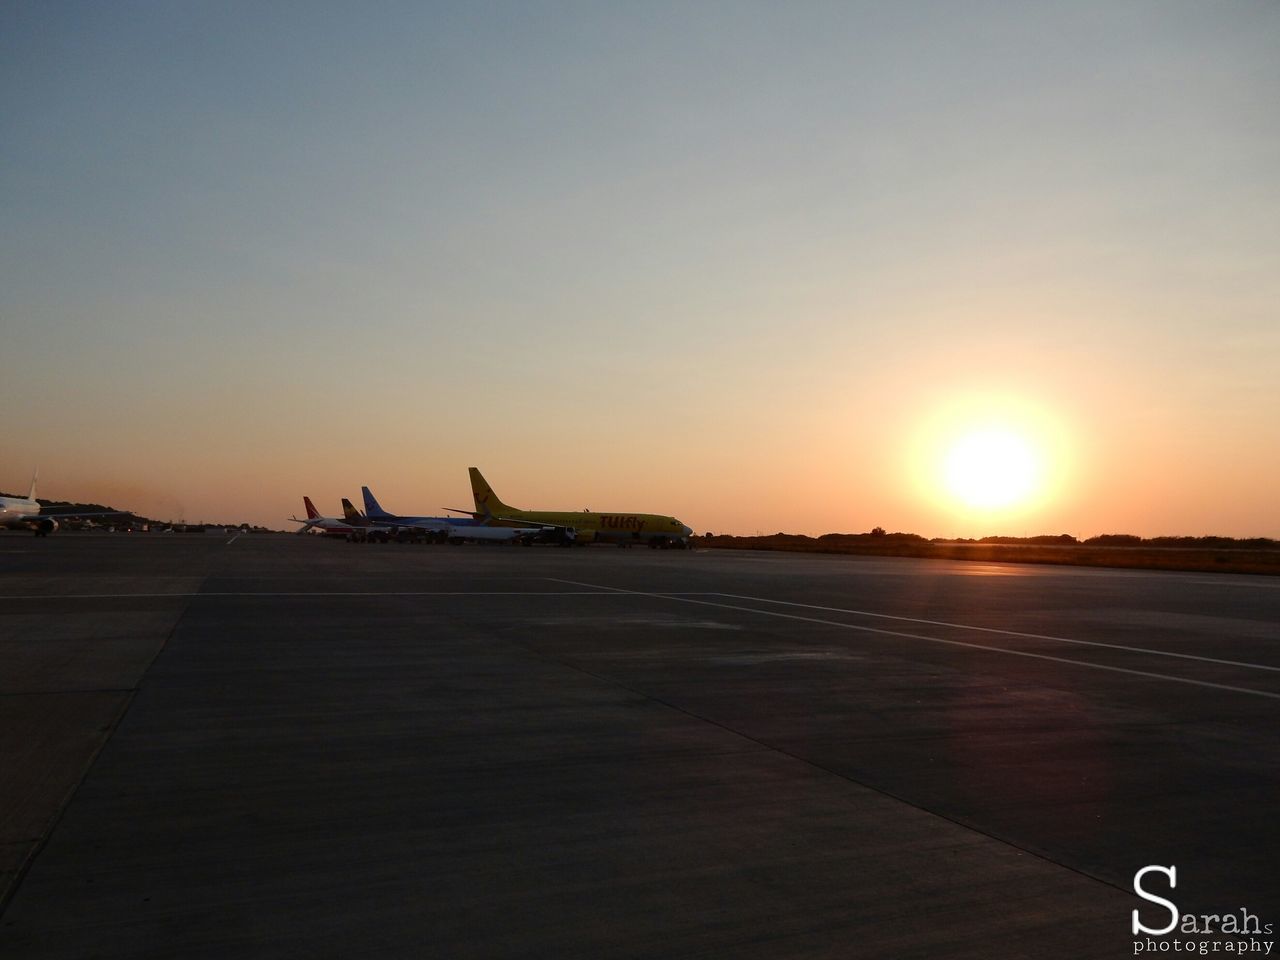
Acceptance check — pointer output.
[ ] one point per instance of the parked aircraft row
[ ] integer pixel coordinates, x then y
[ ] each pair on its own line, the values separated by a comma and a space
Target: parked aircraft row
375, 524
493, 520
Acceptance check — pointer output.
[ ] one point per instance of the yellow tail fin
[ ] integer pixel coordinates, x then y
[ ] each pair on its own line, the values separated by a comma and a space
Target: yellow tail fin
487, 502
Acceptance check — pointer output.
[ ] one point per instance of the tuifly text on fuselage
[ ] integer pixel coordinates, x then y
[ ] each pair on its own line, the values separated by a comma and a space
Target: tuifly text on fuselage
614, 522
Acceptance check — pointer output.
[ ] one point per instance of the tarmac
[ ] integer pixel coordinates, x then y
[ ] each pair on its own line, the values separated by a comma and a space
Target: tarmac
269, 745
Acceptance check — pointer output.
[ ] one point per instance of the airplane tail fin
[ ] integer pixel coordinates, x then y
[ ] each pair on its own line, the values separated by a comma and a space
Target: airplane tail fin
487, 502
34, 477
349, 512
371, 506
312, 512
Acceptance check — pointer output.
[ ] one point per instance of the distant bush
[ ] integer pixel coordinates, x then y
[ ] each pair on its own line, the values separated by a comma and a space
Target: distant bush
1114, 540
1044, 540
872, 537
1253, 543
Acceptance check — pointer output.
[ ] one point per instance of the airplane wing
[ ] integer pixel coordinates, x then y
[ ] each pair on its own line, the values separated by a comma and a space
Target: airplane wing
306, 524
534, 523
81, 514
412, 523
46, 523
569, 533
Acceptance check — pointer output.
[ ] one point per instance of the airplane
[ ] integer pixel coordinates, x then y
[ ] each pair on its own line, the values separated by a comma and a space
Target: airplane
373, 510
371, 532
584, 527
451, 529
24, 513
330, 526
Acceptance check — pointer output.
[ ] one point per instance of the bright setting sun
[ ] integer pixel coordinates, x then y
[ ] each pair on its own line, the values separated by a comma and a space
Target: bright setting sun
984, 457
991, 468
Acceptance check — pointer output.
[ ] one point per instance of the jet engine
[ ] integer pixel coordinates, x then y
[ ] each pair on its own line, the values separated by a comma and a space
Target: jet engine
46, 526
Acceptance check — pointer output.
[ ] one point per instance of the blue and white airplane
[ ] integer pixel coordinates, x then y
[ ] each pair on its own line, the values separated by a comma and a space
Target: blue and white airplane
373, 510
452, 529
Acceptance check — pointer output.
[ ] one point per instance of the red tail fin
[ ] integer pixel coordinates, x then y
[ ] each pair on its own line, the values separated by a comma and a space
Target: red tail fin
312, 512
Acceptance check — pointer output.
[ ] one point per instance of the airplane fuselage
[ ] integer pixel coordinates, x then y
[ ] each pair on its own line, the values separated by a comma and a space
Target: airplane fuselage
22, 513
12, 508
590, 526
331, 525
428, 525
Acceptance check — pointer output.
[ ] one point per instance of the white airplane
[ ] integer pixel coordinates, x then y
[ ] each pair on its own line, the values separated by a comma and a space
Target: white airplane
23, 513
332, 526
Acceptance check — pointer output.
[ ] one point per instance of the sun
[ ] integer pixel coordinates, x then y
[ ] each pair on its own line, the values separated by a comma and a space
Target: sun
992, 468
981, 458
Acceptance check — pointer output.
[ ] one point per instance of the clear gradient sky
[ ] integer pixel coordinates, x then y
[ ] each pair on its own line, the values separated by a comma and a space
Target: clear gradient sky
754, 265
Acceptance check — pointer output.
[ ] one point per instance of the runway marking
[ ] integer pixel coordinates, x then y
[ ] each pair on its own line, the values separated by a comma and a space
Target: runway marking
918, 636
1242, 582
689, 597
1015, 633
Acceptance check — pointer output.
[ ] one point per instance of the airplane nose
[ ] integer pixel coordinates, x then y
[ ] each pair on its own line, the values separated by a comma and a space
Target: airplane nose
687, 531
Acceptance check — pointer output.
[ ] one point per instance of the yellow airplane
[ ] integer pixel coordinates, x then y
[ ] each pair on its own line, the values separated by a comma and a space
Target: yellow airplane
581, 527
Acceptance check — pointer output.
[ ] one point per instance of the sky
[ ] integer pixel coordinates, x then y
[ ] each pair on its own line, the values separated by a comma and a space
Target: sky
760, 266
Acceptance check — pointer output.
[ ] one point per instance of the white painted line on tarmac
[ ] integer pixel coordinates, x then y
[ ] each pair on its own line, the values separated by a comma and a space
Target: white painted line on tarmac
1258, 582
1015, 633
918, 636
